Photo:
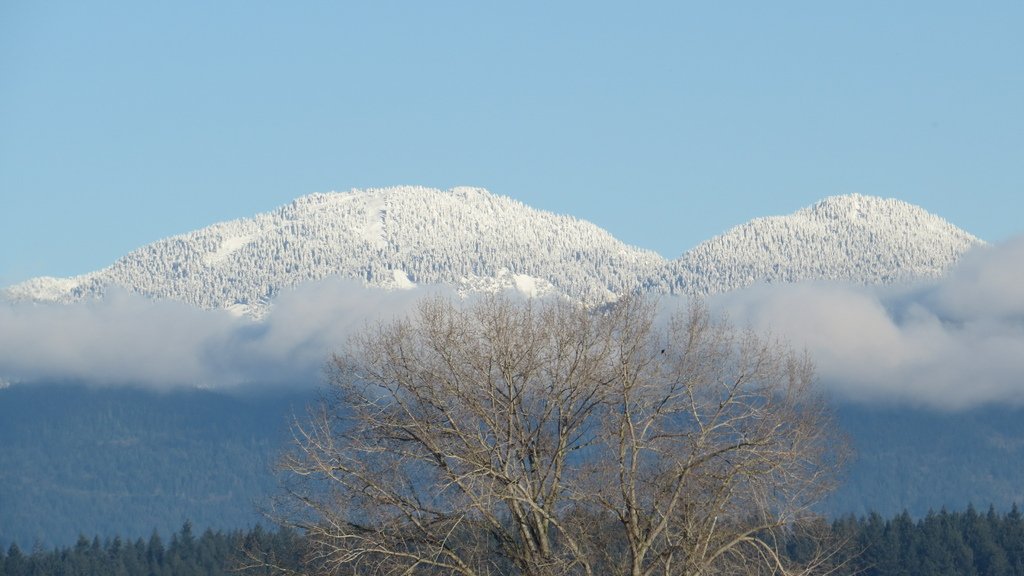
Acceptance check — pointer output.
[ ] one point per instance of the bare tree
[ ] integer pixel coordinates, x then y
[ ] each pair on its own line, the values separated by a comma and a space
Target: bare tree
543, 437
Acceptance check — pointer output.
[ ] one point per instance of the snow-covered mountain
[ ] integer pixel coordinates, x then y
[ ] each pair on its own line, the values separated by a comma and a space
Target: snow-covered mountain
475, 240
853, 238
394, 237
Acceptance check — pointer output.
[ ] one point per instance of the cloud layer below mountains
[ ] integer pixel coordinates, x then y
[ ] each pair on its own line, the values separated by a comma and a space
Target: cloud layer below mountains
125, 339
950, 344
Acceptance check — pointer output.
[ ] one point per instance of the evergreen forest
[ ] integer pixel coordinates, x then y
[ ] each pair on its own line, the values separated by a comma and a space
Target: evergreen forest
943, 543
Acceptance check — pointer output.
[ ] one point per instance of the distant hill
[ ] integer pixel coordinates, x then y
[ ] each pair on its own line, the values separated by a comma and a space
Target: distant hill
121, 461
475, 240
853, 238
79, 460
389, 237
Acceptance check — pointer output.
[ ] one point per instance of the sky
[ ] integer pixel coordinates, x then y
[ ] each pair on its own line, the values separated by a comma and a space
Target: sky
665, 123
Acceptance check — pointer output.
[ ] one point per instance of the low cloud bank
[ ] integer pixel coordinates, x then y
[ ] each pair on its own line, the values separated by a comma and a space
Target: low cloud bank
952, 343
125, 339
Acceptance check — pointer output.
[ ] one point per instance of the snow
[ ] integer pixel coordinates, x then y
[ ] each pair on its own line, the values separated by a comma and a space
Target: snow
373, 229
853, 238
44, 289
239, 310
401, 281
525, 285
477, 241
227, 247
506, 281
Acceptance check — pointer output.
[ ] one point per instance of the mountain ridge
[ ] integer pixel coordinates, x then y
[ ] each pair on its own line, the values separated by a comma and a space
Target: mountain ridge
850, 238
478, 241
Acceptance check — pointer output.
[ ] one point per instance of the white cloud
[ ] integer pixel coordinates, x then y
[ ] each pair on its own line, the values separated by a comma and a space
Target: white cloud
951, 343
127, 339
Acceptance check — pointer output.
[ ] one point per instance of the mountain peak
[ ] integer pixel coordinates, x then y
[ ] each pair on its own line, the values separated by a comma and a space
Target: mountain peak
850, 238
475, 240
854, 207
380, 236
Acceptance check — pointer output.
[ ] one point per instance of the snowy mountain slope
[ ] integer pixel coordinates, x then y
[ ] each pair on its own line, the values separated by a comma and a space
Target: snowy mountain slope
393, 237
853, 238
477, 241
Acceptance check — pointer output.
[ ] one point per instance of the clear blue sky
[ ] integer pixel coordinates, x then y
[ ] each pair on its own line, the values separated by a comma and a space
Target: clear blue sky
122, 122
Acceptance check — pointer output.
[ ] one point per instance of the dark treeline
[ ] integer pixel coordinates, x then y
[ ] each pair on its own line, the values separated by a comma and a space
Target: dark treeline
938, 544
963, 543
209, 554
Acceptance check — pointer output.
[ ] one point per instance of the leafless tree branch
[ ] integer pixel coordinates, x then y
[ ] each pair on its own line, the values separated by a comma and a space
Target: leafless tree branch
546, 437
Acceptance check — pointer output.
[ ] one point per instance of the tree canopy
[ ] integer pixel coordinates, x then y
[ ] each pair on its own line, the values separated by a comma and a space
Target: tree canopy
546, 437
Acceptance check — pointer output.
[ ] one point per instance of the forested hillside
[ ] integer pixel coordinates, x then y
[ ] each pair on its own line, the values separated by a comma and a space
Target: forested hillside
125, 461
920, 460
476, 241
385, 237
122, 461
854, 238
